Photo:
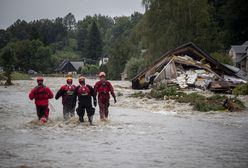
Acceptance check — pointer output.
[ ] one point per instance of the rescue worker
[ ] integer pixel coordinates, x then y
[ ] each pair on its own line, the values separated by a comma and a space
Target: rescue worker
41, 94
68, 100
84, 93
102, 88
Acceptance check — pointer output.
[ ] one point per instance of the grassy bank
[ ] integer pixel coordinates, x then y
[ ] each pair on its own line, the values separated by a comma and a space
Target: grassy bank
16, 76
20, 76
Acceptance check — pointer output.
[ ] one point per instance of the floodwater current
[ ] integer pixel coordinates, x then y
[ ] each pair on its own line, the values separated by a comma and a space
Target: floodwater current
139, 134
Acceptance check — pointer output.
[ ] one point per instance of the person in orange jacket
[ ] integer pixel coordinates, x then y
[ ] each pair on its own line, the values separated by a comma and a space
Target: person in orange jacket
102, 88
68, 100
41, 94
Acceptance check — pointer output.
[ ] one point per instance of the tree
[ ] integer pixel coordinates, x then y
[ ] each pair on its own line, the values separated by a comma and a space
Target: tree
82, 36
123, 44
32, 55
169, 23
134, 66
69, 21
25, 53
95, 43
119, 54
235, 21
19, 30
7, 62
4, 38
42, 60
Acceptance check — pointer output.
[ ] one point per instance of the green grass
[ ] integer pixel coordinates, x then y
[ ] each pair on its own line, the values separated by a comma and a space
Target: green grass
20, 76
241, 90
162, 90
138, 94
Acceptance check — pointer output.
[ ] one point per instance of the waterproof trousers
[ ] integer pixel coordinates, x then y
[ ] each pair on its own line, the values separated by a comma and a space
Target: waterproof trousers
42, 111
81, 111
68, 111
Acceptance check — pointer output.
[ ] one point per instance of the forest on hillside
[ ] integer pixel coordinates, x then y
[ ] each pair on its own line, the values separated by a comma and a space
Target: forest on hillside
130, 42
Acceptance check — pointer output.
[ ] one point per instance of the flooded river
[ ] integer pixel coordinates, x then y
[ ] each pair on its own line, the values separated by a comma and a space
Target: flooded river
140, 133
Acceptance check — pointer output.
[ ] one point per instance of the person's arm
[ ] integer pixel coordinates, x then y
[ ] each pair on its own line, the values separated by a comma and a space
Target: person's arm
112, 91
75, 92
50, 93
60, 93
93, 94
32, 94
96, 87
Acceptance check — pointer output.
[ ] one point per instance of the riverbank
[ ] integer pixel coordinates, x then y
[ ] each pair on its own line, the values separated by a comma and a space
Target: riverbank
16, 76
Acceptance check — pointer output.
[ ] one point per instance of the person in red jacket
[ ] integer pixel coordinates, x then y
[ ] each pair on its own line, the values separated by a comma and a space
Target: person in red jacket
41, 94
68, 100
84, 93
102, 88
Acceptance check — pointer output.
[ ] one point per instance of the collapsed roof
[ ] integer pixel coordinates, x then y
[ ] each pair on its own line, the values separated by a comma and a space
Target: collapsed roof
180, 55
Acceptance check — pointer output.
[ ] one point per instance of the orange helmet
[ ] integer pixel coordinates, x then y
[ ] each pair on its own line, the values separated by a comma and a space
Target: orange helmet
102, 74
69, 80
81, 78
40, 78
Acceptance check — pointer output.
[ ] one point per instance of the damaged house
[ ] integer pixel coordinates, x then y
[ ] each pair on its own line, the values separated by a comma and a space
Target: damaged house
189, 66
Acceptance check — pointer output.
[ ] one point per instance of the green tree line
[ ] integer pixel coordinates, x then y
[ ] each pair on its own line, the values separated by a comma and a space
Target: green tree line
130, 42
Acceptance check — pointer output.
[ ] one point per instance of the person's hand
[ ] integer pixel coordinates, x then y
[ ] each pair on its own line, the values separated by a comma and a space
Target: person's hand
115, 99
95, 103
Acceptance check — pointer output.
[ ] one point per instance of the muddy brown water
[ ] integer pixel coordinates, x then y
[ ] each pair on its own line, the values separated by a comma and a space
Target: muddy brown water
133, 137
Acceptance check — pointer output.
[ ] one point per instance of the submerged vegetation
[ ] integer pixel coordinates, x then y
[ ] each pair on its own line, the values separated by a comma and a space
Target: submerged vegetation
241, 90
199, 102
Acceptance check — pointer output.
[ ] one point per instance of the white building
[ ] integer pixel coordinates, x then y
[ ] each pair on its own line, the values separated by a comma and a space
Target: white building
239, 55
103, 61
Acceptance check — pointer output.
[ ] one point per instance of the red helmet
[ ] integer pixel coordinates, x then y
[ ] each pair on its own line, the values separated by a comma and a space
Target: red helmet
102, 74
40, 78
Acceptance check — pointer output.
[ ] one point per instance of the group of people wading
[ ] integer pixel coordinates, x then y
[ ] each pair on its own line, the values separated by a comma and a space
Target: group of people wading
70, 93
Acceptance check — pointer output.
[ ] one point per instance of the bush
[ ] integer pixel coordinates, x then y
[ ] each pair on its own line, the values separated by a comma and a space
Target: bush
90, 70
241, 90
239, 103
191, 98
222, 58
162, 90
134, 66
206, 106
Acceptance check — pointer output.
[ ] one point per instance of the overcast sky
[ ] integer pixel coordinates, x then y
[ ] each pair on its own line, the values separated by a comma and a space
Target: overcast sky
28, 10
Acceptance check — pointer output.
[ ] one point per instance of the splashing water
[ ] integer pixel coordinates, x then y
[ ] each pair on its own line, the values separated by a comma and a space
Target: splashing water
139, 133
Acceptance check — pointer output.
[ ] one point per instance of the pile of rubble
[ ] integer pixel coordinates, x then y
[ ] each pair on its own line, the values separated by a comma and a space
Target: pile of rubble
188, 73
189, 67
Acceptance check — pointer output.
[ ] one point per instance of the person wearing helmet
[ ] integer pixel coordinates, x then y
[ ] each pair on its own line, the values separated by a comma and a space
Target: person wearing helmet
68, 100
84, 93
102, 88
41, 94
